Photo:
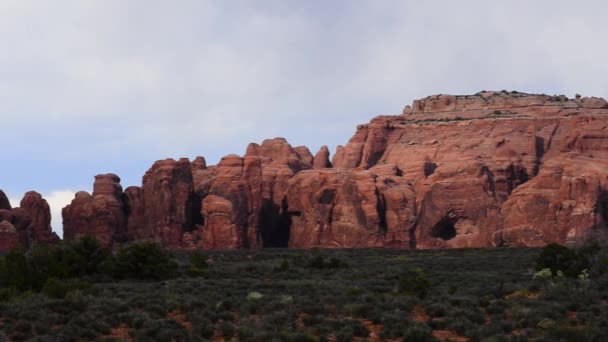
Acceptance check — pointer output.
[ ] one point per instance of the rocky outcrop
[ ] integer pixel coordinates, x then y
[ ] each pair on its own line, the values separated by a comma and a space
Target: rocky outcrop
321, 159
490, 169
25, 225
39, 228
167, 196
102, 214
9, 237
4, 203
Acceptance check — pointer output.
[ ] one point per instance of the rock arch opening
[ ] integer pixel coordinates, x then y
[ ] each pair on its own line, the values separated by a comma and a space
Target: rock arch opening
444, 229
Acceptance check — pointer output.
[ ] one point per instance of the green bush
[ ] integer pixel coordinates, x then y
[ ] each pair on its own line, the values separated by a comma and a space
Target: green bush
86, 256
198, 260
30, 270
561, 258
194, 272
227, 329
56, 288
144, 260
319, 261
418, 333
413, 282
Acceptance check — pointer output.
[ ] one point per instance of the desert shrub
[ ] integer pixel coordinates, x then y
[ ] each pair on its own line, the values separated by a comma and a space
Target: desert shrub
358, 309
162, 330
303, 337
460, 324
413, 282
577, 333
144, 260
195, 272
345, 334
283, 267
437, 309
85, 256
245, 333
16, 273
199, 259
418, 333
569, 261
321, 262
227, 329
393, 323
56, 288
254, 296
598, 263
204, 330
30, 270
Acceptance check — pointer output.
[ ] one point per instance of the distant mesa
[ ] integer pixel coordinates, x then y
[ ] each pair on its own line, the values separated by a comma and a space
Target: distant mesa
496, 168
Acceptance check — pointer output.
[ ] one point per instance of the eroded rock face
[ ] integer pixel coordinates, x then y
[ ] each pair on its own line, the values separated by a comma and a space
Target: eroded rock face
483, 167
102, 214
167, 192
9, 238
490, 169
4, 203
25, 225
321, 159
39, 228
334, 208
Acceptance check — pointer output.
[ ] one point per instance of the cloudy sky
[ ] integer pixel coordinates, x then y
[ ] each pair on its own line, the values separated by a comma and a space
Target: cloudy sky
90, 87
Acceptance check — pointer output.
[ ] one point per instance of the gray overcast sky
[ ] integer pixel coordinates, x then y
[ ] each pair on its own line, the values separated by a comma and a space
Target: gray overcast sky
89, 87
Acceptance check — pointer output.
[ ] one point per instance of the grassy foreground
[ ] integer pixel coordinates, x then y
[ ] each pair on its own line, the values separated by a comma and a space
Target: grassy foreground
322, 295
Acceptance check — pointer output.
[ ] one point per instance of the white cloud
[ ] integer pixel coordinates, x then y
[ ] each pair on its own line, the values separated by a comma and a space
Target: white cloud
208, 72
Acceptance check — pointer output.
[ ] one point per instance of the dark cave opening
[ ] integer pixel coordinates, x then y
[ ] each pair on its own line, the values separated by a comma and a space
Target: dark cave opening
444, 229
328, 196
429, 168
194, 216
602, 206
275, 224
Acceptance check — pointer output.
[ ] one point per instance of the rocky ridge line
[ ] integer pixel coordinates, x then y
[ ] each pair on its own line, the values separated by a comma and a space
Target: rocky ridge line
490, 169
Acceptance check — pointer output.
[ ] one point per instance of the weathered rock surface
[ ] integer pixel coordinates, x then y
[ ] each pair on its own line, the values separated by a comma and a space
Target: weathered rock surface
25, 225
4, 203
101, 214
9, 237
490, 169
39, 228
321, 159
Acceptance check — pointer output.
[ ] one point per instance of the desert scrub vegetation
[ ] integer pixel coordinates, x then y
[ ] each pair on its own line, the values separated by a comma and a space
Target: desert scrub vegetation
145, 293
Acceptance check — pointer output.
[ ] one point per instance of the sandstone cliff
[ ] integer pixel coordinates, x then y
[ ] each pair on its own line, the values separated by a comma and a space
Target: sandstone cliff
490, 169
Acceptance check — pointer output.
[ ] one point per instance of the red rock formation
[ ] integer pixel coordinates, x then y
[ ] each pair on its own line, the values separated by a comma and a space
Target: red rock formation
490, 169
101, 214
254, 186
321, 159
39, 212
4, 203
25, 225
9, 238
167, 193
220, 230
136, 218
466, 155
